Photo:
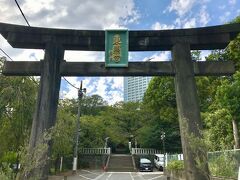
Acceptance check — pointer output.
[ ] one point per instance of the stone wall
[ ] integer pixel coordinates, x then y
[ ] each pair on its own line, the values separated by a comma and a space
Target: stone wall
92, 161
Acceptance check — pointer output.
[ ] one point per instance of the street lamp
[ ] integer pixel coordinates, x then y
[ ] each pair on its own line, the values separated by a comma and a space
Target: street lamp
106, 142
81, 91
130, 143
163, 141
135, 142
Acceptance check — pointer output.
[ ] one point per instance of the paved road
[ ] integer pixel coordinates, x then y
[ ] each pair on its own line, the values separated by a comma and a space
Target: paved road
98, 175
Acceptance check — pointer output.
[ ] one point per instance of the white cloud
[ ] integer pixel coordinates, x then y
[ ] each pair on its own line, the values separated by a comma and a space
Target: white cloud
77, 14
191, 23
21, 54
188, 22
109, 88
222, 7
159, 56
181, 7
33, 7
232, 2
113, 95
205, 54
86, 56
71, 92
204, 17
158, 26
225, 17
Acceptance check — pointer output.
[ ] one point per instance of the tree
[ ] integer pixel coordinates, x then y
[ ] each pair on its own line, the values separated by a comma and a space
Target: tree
161, 99
228, 97
123, 121
17, 103
63, 135
219, 130
90, 105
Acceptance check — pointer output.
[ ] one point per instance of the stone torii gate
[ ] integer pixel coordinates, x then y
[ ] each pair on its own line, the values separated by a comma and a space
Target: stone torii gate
180, 42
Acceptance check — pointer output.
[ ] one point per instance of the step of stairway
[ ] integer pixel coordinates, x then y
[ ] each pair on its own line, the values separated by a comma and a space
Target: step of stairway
120, 163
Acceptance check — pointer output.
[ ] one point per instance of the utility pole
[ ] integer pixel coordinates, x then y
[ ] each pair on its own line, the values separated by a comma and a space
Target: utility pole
75, 157
164, 153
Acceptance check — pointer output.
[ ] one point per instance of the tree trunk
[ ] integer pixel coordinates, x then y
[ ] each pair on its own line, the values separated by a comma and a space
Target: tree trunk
235, 134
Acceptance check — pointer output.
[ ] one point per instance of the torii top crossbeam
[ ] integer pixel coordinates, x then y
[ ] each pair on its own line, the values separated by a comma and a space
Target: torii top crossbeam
215, 37
206, 38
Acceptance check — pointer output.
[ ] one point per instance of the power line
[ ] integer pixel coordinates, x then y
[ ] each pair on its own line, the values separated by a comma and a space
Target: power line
6, 54
30, 26
12, 60
43, 50
70, 83
22, 12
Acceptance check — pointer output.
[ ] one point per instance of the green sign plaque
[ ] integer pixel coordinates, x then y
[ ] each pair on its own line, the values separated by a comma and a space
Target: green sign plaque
116, 48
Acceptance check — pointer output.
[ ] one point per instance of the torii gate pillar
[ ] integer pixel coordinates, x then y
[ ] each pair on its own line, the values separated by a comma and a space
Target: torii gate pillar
188, 113
47, 102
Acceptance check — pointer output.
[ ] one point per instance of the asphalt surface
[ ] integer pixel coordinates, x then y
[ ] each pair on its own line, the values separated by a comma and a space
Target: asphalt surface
99, 175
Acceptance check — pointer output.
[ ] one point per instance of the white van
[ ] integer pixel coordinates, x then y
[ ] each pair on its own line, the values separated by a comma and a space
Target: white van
159, 161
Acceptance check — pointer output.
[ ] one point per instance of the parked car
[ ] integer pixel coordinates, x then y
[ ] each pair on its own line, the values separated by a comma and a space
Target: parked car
159, 161
145, 165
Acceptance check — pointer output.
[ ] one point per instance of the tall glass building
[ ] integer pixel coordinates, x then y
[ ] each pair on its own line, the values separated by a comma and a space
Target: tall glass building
135, 87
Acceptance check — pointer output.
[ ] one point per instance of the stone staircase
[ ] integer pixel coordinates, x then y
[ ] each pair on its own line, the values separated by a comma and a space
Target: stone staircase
121, 163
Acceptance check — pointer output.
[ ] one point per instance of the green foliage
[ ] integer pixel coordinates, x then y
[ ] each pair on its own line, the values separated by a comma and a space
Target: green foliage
63, 133
124, 120
17, 103
175, 165
92, 132
233, 48
223, 165
219, 129
90, 105
160, 101
9, 157
6, 173
34, 158
228, 95
196, 55
199, 152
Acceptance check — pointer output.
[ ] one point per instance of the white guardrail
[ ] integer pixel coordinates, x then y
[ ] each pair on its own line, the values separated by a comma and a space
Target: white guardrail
144, 151
94, 151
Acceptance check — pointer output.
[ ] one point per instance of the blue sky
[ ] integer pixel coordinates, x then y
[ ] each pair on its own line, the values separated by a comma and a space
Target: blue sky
107, 14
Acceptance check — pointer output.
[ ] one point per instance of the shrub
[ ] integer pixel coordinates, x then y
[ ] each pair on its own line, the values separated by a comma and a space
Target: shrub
175, 165
6, 172
223, 165
9, 157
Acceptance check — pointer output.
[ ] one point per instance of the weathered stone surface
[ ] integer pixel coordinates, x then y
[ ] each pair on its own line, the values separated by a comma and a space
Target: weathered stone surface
189, 114
47, 102
164, 68
215, 37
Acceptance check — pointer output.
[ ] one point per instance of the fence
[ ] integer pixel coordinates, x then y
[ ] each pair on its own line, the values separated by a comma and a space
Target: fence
144, 151
95, 151
224, 163
221, 163
172, 157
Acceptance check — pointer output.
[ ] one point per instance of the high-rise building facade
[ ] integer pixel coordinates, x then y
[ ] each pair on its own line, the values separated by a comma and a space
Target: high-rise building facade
135, 87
